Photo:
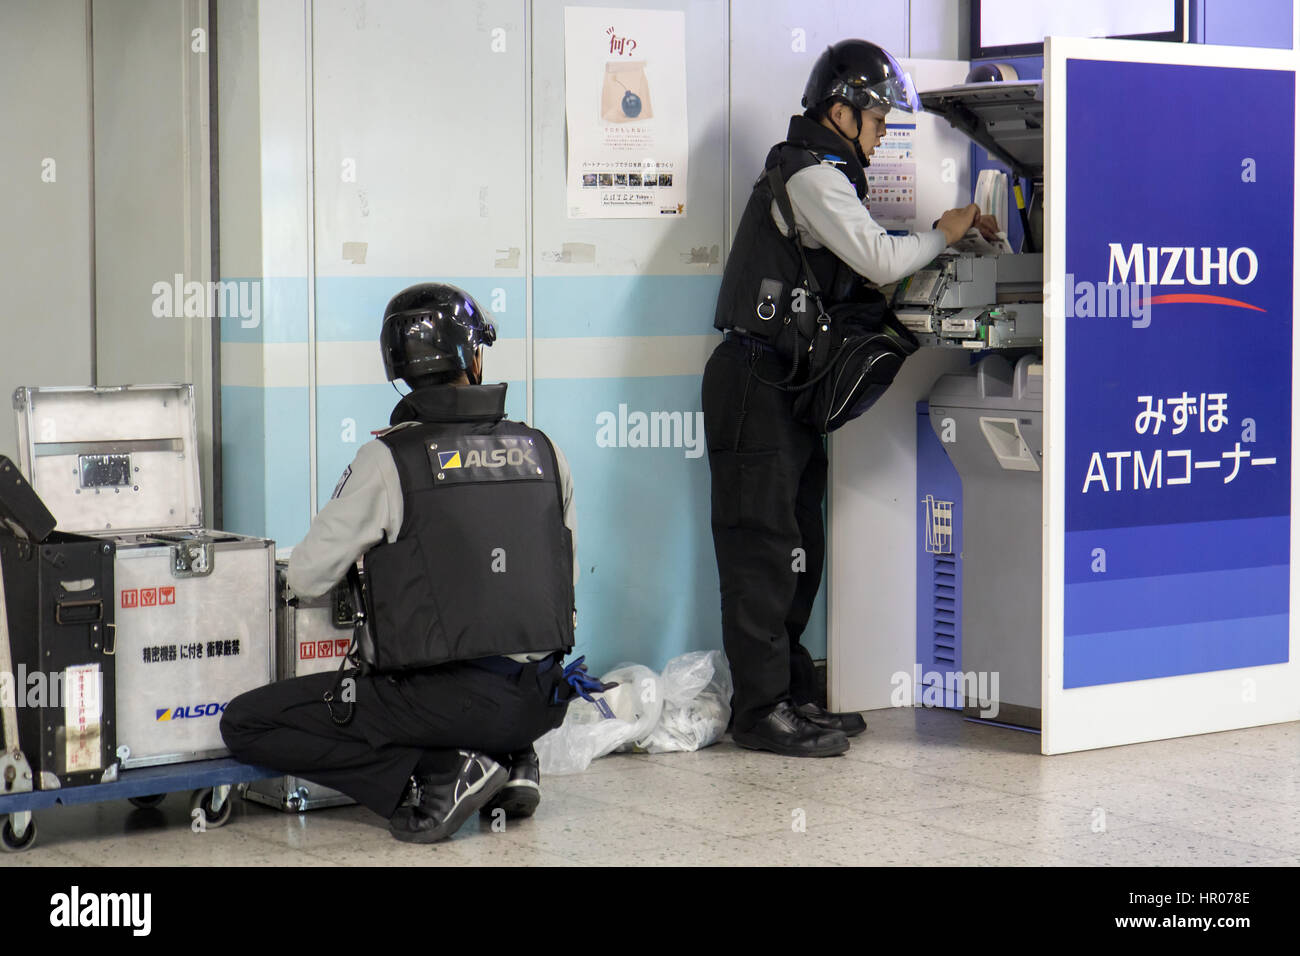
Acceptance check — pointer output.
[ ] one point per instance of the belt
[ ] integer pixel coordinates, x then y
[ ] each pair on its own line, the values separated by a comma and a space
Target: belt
747, 339
511, 668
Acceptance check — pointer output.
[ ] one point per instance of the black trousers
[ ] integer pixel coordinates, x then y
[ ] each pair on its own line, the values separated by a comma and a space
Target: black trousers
398, 722
768, 480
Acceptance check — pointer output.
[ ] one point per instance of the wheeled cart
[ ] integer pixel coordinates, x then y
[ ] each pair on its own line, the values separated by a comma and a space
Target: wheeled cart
209, 781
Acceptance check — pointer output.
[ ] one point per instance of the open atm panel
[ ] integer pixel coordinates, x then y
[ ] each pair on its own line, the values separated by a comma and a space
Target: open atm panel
972, 296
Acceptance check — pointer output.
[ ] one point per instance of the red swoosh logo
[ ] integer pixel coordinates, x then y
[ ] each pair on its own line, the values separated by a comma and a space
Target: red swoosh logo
1206, 299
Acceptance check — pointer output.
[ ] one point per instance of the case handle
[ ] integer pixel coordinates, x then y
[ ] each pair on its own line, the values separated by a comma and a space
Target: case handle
78, 612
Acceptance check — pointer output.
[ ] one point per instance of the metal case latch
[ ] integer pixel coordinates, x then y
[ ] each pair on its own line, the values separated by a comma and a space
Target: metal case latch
192, 559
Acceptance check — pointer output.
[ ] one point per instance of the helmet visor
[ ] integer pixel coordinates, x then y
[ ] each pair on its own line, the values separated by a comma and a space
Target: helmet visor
893, 91
897, 92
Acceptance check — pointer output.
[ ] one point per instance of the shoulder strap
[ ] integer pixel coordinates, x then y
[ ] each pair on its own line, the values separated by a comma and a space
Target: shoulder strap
782, 196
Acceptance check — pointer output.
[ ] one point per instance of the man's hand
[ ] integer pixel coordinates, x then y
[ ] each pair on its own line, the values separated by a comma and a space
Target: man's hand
954, 223
988, 227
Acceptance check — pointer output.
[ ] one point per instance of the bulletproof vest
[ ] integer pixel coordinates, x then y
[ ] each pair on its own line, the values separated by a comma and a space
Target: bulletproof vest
483, 563
764, 265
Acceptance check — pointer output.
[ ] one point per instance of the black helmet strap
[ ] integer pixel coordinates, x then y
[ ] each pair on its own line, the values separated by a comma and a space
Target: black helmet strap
857, 118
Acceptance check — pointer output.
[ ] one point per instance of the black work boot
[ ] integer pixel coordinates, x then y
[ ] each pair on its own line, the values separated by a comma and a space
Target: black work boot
784, 731
436, 806
849, 724
523, 791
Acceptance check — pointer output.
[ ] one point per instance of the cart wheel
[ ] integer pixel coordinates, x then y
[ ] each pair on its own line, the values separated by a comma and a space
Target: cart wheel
13, 844
148, 801
202, 800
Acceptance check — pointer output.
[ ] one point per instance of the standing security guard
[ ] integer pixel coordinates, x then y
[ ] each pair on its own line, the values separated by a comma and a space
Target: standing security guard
768, 467
469, 553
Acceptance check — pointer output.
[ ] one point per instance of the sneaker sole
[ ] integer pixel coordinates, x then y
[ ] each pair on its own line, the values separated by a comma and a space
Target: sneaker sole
758, 743
518, 800
488, 789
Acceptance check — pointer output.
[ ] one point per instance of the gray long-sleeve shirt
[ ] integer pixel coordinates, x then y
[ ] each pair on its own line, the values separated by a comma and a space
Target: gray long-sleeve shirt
367, 508
828, 213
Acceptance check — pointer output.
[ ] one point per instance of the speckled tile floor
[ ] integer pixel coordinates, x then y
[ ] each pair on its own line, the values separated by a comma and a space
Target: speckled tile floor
920, 787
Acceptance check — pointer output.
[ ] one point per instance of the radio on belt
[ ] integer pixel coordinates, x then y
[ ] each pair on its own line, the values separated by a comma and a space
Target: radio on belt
195, 608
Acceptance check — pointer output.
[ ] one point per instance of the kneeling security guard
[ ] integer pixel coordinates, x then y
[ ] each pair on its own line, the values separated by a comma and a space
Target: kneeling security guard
768, 464
466, 522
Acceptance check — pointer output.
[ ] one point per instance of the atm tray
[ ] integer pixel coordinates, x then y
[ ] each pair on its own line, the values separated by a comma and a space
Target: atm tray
210, 783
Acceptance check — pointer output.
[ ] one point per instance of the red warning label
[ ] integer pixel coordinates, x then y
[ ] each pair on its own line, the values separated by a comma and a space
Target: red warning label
341, 647
166, 595
306, 650
324, 648
130, 598
148, 597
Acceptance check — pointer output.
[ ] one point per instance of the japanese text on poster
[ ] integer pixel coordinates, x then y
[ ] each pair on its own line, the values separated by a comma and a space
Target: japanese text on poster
625, 100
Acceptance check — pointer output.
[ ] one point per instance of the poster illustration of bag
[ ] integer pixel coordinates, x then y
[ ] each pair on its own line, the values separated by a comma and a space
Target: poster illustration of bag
625, 113
625, 95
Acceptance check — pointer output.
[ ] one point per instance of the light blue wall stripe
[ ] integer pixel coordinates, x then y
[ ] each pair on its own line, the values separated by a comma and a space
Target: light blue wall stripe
649, 584
288, 476
648, 588
243, 418
351, 309
265, 471
284, 312
633, 305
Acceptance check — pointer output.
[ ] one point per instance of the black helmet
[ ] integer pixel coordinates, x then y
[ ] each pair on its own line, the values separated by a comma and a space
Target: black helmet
432, 327
862, 75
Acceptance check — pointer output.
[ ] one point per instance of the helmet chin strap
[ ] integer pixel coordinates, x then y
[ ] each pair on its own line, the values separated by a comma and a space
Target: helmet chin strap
857, 147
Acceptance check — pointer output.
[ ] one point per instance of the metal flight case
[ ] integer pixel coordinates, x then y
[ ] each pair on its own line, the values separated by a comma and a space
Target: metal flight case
194, 608
56, 648
312, 637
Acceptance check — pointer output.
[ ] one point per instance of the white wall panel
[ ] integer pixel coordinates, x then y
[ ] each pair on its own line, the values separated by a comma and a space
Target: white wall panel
638, 246
45, 245
774, 44
420, 136
937, 28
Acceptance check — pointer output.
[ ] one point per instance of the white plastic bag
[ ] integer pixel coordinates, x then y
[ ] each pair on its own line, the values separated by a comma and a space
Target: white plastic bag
639, 698
620, 716
697, 703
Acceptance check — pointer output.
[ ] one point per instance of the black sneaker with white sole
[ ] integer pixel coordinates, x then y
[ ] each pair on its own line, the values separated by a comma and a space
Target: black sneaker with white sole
436, 807
523, 791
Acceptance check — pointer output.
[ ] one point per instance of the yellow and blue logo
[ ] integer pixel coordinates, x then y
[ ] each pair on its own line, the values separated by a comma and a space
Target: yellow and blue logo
183, 713
449, 459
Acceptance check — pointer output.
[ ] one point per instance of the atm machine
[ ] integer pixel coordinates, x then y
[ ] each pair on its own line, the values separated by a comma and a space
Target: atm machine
1111, 612
989, 418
